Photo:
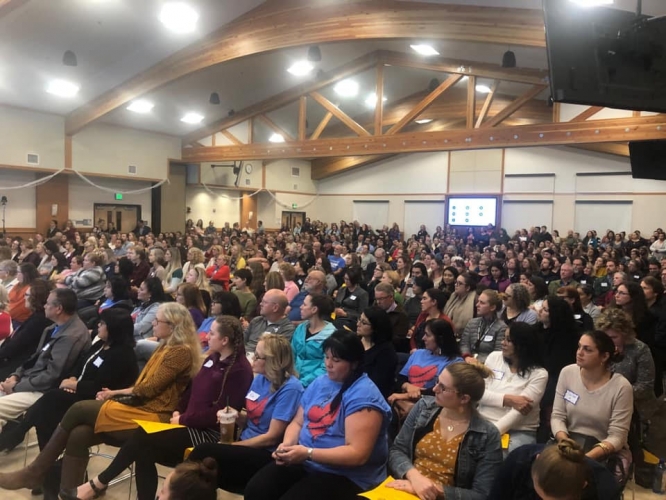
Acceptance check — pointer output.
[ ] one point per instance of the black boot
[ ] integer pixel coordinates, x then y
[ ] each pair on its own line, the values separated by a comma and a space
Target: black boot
13, 435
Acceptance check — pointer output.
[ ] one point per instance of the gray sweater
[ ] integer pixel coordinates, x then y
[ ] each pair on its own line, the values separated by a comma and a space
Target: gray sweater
54, 358
637, 366
480, 338
259, 325
88, 284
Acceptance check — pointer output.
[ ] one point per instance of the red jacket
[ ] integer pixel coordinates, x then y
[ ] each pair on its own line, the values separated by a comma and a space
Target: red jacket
220, 275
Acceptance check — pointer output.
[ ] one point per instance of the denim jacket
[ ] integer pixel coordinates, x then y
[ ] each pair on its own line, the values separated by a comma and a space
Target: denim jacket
479, 456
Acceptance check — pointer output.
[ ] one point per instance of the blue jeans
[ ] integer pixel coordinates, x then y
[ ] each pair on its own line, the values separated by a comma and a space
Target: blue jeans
518, 439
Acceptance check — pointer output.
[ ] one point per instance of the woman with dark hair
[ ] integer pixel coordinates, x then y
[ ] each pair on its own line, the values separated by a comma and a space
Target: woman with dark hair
593, 405
335, 447
496, 278
380, 361
432, 306
517, 305
461, 307
586, 294
513, 394
58, 265
18, 310
449, 276
191, 480
351, 299
656, 302
109, 363
446, 449
484, 334
538, 290
116, 292
559, 336
21, 344
223, 380
570, 295
417, 269
419, 375
631, 299
223, 304
151, 295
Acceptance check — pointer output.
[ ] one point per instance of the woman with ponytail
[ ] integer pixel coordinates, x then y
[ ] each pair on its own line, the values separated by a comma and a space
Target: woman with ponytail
336, 446
224, 379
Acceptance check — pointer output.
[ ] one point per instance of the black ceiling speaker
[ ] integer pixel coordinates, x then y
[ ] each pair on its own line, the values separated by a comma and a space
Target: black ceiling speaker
509, 59
69, 58
214, 98
434, 83
314, 54
231, 112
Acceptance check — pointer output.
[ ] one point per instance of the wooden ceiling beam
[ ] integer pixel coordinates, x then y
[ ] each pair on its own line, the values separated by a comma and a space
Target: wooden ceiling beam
339, 114
424, 104
471, 101
379, 108
277, 25
617, 149
514, 106
232, 138
302, 117
598, 131
322, 125
275, 127
487, 103
326, 167
588, 113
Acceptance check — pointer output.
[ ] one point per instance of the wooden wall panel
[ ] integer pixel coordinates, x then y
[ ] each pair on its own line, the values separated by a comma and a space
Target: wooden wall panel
53, 192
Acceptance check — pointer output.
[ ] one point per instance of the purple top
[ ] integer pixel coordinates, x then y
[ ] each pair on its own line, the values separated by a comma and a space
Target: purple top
205, 395
197, 316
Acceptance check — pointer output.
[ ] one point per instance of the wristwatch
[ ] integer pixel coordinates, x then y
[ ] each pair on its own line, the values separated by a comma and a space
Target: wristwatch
310, 453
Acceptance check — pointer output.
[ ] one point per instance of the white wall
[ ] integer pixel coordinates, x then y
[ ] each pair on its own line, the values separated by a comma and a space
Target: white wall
206, 206
20, 210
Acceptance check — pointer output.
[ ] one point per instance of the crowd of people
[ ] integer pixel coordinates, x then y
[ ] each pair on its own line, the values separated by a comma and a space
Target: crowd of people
458, 364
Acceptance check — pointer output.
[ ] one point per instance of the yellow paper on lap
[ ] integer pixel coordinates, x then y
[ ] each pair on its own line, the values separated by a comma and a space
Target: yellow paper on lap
382, 492
505, 441
153, 427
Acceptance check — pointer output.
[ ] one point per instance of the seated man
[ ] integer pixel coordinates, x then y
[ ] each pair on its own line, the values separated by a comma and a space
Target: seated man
384, 299
315, 283
271, 319
58, 351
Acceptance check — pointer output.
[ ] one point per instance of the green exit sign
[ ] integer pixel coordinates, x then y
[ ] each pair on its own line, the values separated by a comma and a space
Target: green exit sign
294, 205
119, 196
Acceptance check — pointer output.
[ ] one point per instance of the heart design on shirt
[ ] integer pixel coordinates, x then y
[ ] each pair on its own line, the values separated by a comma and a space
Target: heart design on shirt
420, 375
255, 409
320, 418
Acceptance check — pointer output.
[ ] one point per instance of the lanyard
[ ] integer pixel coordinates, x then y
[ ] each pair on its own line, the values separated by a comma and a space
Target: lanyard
481, 334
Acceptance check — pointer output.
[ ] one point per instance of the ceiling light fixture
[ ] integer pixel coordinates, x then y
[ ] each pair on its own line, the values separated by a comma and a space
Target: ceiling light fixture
346, 88
179, 17
69, 58
214, 98
509, 59
423, 121
141, 106
424, 50
314, 54
371, 100
192, 118
62, 88
276, 138
592, 3
483, 89
301, 68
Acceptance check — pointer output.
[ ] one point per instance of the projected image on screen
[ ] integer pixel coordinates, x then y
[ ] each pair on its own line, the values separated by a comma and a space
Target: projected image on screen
472, 211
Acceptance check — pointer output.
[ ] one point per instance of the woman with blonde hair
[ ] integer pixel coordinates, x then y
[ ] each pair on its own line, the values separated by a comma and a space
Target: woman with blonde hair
222, 381
273, 281
197, 276
195, 258
236, 260
111, 417
271, 404
288, 274
173, 272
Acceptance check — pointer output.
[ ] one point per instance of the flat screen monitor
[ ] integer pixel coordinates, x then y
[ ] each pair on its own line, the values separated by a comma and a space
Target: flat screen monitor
471, 211
648, 159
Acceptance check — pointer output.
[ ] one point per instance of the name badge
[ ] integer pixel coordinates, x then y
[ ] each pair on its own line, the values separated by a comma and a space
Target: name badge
46, 347
352, 297
98, 362
208, 363
577, 316
252, 396
488, 338
571, 396
604, 284
498, 375
583, 282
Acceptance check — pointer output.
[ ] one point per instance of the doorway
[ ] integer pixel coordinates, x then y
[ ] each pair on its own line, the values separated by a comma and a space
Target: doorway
289, 219
123, 217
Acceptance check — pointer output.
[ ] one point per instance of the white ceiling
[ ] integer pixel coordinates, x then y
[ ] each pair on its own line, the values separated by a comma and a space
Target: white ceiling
115, 40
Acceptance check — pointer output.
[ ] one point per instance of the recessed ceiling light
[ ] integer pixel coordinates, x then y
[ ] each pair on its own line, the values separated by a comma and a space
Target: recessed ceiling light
371, 100
192, 118
140, 106
62, 88
276, 138
301, 68
179, 17
483, 89
346, 88
423, 121
425, 50
592, 3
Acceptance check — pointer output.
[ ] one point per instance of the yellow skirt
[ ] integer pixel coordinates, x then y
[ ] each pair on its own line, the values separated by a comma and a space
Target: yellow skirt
115, 416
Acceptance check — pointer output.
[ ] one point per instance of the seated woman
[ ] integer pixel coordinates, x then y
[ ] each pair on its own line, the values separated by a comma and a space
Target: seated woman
445, 449
224, 379
191, 480
558, 471
21, 344
424, 365
335, 447
197, 276
223, 303
636, 364
497, 279
351, 299
150, 295
461, 306
5, 318
288, 275
271, 402
593, 405
517, 305
188, 295
513, 394
173, 272
570, 295
484, 334
432, 304
310, 335
154, 397
109, 363
219, 273
116, 295
380, 361
89, 283
18, 309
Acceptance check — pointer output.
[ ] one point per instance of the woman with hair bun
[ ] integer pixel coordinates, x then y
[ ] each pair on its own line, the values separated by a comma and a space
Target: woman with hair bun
557, 472
445, 449
191, 480
593, 405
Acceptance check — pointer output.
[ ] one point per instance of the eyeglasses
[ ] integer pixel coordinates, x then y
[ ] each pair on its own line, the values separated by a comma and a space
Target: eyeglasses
259, 358
162, 321
460, 283
443, 388
363, 322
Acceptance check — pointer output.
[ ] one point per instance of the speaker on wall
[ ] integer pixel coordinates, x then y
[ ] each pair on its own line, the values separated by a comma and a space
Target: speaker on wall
648, 159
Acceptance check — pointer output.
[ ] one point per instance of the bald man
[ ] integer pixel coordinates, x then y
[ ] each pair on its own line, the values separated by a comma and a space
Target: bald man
315, 283
271, 319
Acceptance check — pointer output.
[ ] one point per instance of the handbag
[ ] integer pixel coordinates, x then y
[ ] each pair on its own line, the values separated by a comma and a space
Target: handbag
127, 399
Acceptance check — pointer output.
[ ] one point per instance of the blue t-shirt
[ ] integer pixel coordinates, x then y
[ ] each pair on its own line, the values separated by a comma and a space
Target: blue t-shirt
295, 304
336, 262
423, 368
262, 405
323, 428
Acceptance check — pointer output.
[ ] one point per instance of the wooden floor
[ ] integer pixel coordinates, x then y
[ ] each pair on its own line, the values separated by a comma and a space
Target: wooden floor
14, 460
